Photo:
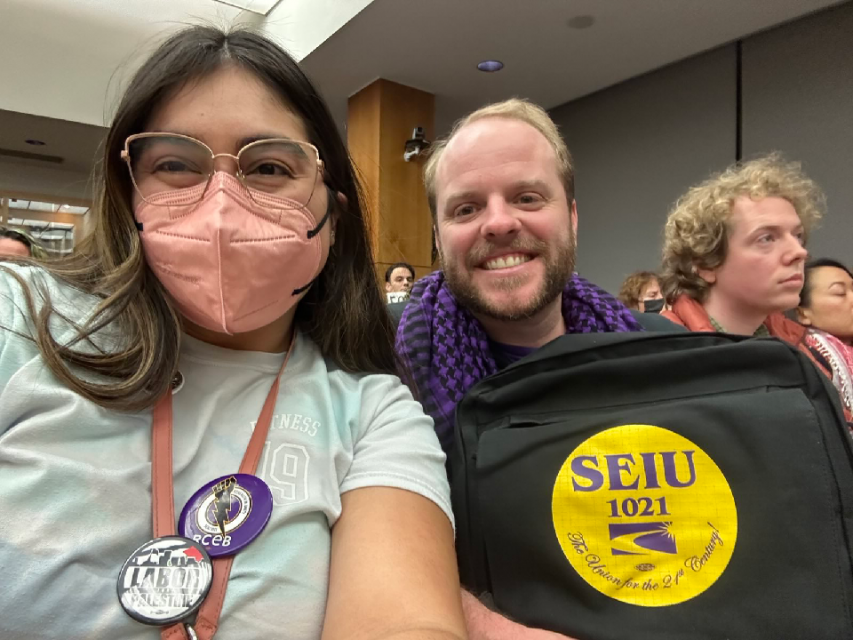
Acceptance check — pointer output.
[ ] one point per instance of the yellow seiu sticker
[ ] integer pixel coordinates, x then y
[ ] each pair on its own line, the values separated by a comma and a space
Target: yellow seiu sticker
644, 515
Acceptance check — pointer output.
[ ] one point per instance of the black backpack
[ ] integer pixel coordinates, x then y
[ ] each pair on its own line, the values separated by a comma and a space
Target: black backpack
647, 485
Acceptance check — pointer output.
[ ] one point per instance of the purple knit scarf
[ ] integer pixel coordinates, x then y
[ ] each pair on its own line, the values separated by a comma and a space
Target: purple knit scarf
447, 349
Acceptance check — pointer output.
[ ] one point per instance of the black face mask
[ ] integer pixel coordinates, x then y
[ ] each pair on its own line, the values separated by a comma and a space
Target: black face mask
653, 306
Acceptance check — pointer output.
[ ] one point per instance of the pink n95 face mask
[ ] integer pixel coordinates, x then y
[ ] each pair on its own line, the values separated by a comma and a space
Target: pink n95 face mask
232, 262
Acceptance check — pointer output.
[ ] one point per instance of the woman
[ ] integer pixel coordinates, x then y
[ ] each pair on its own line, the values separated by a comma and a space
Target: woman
641, 291
826, 308
230, 248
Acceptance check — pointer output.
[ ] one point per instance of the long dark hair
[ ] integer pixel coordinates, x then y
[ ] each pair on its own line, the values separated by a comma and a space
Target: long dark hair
343, 313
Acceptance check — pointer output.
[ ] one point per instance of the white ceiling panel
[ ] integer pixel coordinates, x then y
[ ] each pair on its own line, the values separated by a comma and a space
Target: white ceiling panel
47, 207
69, 59
77, 211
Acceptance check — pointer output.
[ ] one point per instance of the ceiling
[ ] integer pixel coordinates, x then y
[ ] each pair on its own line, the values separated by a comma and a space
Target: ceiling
70, 59
75, 144
435, 45
65, 61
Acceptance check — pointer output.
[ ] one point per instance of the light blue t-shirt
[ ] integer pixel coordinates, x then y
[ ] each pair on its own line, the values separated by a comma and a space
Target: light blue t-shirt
75, 479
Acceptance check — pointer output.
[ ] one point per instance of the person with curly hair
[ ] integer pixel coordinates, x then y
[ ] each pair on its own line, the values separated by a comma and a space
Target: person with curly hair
641, 291
734, 250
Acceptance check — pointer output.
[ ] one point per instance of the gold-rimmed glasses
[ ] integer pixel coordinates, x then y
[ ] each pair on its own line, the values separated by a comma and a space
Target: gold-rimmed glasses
163, 162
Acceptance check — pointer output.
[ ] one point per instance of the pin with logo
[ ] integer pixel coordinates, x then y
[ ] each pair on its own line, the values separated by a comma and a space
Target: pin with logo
227, 514
165, 580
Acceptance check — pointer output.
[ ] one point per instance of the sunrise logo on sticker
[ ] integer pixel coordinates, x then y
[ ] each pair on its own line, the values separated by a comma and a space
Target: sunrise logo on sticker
644, 515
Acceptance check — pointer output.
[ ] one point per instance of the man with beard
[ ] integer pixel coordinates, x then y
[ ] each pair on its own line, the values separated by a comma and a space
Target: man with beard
501, 192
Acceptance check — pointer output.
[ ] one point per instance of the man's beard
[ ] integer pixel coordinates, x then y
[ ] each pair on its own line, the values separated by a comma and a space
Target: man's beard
559, 266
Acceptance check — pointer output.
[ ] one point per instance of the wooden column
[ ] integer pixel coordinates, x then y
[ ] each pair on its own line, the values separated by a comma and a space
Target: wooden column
381, 118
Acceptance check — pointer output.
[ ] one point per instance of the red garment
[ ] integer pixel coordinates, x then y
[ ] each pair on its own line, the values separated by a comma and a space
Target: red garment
689, 313
840, 358
692, 315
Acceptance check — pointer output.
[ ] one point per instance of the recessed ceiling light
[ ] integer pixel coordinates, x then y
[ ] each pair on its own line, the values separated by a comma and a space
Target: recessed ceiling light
490, 66
581, 22
35, 143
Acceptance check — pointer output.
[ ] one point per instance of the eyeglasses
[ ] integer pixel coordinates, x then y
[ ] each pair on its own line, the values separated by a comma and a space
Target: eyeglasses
162, 162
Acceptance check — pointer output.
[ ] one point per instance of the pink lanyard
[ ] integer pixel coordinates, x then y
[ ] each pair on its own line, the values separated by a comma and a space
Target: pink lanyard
163, 501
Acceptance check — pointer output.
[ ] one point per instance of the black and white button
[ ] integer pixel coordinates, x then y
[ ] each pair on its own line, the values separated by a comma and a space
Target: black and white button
165, 580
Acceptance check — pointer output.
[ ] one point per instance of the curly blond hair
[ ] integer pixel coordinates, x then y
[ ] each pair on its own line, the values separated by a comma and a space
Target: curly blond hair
696, 232
633, 286
512, 109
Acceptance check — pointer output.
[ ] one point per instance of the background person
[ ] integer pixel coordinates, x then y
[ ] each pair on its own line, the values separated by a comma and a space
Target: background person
640, 288
399, 278
734, 250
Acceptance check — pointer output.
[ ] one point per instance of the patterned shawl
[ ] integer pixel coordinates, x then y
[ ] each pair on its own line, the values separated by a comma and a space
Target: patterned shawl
840, 359
447, 349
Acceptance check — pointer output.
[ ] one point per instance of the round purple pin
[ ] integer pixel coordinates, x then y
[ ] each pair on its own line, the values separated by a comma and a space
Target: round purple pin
227, 513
